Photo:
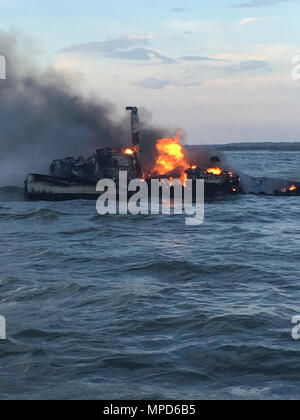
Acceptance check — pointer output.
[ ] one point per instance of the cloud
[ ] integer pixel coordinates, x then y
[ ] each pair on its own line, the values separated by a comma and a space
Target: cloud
141, 54
153, 83
199, 58
140, 37
103, 47
178, 9
248, 66
260, 3
256, 19
121, 49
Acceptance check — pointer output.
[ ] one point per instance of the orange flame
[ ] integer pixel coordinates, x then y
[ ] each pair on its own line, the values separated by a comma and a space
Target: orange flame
170, 157
128, 151
214, 171
291, 188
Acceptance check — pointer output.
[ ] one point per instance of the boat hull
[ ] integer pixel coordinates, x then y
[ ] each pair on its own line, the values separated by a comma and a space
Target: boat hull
50, 188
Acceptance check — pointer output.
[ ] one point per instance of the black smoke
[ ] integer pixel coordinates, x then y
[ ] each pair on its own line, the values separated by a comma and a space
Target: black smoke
42, 117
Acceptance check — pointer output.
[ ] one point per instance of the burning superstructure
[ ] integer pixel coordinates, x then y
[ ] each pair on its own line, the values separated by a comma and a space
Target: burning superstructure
105, 163
216, 180
172, 163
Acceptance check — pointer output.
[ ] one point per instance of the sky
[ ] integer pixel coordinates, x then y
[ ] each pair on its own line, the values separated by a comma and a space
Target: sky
219, 70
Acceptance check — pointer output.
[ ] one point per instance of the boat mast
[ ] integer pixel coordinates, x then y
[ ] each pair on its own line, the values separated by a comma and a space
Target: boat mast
135, 133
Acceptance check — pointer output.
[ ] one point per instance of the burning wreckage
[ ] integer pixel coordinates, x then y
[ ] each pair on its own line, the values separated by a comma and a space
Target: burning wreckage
76, 178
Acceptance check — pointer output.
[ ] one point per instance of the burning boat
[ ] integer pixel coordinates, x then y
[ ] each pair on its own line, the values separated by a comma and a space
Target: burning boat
76, 178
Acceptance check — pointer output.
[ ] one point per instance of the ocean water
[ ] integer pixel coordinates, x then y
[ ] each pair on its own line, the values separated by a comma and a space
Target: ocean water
123, 307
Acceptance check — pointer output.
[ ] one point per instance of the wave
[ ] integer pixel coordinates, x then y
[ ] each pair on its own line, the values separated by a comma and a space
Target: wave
40, 214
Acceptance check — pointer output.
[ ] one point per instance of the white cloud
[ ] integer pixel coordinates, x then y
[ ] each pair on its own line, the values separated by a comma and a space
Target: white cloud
153, 83
256, 19
139, 37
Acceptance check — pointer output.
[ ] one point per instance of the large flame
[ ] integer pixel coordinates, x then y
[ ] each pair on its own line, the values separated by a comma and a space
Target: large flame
170, 157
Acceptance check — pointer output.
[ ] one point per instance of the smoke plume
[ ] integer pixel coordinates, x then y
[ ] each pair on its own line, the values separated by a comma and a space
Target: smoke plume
43, 118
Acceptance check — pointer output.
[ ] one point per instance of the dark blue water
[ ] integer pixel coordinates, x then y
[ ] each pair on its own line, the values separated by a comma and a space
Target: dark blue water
147, 308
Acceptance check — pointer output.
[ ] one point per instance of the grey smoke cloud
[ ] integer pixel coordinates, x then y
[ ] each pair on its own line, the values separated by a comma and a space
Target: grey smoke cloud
43, 118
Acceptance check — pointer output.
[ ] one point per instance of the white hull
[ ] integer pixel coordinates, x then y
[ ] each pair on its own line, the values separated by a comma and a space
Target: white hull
43, 187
